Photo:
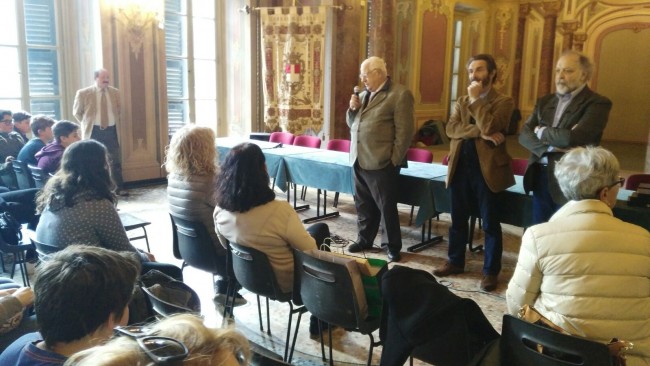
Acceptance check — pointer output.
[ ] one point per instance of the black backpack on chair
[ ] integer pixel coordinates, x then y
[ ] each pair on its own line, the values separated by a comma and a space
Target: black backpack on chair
10, 229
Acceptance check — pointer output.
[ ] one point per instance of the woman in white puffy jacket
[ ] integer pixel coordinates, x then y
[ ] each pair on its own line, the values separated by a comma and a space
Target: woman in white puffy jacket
585, 270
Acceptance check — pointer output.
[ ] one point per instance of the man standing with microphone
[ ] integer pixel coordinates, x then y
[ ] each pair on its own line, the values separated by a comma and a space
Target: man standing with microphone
381, 127
479, 168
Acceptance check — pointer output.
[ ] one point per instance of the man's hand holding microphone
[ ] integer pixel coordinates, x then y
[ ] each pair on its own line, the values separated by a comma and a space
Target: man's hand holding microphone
355, 102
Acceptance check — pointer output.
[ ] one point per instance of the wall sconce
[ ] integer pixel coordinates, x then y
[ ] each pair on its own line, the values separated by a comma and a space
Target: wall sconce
138, 16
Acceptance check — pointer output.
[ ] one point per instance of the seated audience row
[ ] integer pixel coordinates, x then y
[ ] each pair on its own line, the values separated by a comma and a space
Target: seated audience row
240, 196
42, 131
77, 206
10, 144
80, 294
81, 300
49, 157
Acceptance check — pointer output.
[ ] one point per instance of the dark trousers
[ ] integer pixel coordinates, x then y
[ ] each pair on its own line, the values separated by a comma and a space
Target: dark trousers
543, 205
375, 197
469, 195
22, 206
319, 231
108, 137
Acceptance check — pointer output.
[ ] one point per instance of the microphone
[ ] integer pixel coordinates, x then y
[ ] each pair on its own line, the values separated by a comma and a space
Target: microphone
357, 90
273, 147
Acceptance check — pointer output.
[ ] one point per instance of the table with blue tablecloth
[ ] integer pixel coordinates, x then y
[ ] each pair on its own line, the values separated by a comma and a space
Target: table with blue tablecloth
421, 184
274, 154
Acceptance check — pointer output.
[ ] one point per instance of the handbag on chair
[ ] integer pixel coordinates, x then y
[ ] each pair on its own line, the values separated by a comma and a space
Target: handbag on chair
617, 348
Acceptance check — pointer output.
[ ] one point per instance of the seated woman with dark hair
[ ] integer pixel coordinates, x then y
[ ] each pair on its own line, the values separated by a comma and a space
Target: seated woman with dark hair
248, 214
77, 206
182, 339
585, 270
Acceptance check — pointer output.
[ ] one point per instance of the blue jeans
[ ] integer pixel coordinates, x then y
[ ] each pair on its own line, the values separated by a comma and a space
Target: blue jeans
471, 195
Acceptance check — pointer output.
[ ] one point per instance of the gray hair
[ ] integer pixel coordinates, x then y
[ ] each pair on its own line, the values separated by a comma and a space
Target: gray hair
375, 63
585, 63
584, 171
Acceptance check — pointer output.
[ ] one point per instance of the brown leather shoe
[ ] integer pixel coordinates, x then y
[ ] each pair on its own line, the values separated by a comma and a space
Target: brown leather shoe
489, 283
448, 269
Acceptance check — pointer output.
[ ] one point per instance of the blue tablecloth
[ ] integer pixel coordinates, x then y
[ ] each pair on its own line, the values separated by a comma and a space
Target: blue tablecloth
421, 184
324, 169
273, 153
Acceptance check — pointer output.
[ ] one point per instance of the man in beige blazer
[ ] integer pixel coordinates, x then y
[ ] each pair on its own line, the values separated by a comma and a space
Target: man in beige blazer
479, 168
381, 126
97, 108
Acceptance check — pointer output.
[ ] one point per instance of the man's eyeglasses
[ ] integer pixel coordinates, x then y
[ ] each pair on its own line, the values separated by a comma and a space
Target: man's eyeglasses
620, 182
161, 350
365, 75
6, 121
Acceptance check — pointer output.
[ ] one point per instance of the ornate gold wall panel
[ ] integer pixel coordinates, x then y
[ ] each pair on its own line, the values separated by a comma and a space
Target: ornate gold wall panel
132, 54
433, 58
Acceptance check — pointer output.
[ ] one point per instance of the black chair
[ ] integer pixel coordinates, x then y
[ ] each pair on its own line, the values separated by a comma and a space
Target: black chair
328, 293
193, 244
164, 308
255, 273
43, 250
520, 341
23, 175
39, 176
19, 253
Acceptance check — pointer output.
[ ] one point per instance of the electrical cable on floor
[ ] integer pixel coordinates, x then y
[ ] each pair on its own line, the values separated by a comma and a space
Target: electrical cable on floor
450, 285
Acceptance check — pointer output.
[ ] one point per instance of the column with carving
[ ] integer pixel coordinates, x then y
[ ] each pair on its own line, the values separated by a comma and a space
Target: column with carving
569, 28
381, 30
524, 10
551, 10
579, 41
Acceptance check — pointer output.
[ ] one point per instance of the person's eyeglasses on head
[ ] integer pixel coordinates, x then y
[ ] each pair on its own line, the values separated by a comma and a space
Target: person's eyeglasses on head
161, 350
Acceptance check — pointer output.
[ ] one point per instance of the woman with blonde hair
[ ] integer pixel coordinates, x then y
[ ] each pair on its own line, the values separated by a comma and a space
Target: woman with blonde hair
192, 163
180, 339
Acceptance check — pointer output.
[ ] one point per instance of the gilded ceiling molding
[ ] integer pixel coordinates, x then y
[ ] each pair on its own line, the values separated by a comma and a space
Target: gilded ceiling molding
551, 8
638, 27
436, 6
137, 18
570, 26
524, 10
404, 9
503, 17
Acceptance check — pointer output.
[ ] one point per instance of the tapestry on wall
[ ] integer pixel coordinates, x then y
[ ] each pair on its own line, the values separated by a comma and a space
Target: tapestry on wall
293, 58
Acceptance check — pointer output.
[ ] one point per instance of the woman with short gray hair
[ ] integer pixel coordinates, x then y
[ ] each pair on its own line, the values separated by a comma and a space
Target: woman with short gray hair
585, 270
586, 171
